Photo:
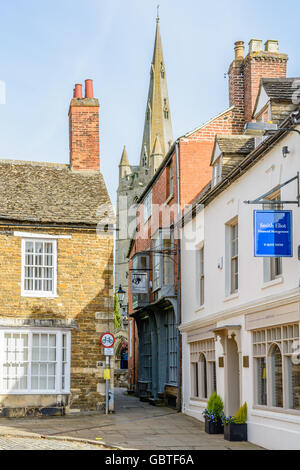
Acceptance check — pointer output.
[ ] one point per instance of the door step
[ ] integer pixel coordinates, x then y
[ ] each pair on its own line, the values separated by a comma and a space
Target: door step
156, 402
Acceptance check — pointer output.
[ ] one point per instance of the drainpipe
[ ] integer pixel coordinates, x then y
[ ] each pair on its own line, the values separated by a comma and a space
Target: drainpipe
178, 271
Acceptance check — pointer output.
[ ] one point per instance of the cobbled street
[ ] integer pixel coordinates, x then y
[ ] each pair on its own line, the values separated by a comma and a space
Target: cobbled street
134, 425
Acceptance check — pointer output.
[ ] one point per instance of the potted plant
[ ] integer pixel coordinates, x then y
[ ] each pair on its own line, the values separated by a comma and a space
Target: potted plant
235, 427
213, 415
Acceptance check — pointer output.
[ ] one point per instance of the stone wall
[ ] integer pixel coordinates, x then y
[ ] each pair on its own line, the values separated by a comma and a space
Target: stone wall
84, 303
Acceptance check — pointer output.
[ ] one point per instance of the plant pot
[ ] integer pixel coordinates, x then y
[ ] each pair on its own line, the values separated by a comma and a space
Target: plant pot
235, 432
213, 428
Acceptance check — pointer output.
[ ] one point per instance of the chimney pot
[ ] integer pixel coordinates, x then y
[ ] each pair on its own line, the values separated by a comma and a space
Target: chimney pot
255, 45
89, 92
78, 91
271, 45
239, 49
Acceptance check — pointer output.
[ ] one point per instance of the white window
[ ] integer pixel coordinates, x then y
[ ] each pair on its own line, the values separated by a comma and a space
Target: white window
200, 275
234, 266
203, 368
34, 362
217, 172
148, 206
276, 367
39, 262
272, 266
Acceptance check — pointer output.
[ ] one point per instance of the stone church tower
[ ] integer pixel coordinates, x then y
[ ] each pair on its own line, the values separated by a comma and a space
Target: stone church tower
157, 139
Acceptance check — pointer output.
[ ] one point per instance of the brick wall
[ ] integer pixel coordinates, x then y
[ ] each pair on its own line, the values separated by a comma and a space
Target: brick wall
257, 66
84, 134
244, 80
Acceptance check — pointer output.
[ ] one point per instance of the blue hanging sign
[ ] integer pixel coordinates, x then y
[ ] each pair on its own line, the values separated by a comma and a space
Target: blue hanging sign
273, 233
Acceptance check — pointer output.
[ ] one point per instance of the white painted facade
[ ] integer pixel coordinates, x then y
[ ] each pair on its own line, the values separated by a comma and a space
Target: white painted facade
258, 304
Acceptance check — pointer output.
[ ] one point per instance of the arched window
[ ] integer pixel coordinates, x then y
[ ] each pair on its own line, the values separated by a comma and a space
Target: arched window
203, 376
276, 376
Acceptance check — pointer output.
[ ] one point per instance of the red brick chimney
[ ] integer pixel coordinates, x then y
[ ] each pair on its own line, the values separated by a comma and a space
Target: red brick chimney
84, 129
245, 75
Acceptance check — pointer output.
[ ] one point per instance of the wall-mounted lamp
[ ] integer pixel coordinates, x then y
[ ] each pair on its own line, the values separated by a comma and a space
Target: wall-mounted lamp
285, 151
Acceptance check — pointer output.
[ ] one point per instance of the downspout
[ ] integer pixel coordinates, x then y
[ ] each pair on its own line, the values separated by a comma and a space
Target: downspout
177, 272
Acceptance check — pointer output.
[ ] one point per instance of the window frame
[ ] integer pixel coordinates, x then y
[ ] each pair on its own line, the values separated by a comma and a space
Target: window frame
33, 293
148, 206
234, 258
263, 342
201, 279
58, 390
217, 171
208, 383
170, 180
272, 264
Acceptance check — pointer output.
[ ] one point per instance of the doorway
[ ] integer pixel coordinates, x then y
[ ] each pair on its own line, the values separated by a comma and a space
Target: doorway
232, 397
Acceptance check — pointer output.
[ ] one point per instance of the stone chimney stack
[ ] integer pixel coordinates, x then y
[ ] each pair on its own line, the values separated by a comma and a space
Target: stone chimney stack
236, 87
245, 74
84, 129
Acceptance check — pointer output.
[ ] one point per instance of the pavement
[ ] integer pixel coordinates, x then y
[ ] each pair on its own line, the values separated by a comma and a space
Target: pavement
134, 425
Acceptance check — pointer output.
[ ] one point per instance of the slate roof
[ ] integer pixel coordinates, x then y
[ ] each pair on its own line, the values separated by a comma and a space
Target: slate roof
239, 144
280, 89
52, 193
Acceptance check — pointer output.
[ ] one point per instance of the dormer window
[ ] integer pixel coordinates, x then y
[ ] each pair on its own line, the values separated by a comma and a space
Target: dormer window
217, 172
162, 70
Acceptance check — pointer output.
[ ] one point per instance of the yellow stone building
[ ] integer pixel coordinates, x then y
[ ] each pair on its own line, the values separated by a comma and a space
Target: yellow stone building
56, 276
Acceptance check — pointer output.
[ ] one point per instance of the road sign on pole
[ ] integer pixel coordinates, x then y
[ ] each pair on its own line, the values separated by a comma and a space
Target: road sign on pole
107, 340
109, 351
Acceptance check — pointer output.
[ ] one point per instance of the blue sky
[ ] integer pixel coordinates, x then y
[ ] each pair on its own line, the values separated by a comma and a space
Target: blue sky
47, 46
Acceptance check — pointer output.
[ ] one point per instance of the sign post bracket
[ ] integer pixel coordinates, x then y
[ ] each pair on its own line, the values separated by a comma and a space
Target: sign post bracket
262, 199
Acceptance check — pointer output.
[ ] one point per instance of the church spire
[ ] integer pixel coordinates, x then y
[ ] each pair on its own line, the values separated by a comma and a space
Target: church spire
124, 166
158, 116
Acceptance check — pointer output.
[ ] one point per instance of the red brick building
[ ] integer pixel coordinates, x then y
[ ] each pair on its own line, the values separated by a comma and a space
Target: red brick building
154, 291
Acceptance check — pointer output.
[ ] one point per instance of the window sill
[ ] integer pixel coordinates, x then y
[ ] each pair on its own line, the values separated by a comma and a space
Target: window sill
264, 411
274, 282
26, 392
41, 296
231, 297
200, 309
204, 400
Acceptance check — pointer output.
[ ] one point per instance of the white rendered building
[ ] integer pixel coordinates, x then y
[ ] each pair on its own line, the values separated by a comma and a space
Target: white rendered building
240, 313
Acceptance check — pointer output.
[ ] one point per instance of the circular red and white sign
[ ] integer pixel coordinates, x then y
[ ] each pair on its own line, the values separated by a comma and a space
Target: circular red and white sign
107, 340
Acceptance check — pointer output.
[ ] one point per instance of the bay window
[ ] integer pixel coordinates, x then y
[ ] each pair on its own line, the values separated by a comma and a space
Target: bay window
277, 368
34, 362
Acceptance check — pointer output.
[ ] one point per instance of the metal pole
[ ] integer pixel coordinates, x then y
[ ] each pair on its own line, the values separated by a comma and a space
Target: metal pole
178, 319
106, 386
